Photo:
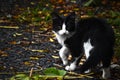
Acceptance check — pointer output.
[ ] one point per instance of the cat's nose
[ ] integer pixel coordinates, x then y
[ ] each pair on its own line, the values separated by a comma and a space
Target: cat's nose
65, 33
62, 32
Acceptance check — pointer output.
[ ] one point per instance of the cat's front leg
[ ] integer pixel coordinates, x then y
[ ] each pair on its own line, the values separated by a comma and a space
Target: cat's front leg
63, 53
73, 65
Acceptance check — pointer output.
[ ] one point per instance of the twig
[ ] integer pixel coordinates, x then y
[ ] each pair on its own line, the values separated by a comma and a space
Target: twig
65, 77
43, 35
57, 65
31, 71
19, 72
10, 27
81, 75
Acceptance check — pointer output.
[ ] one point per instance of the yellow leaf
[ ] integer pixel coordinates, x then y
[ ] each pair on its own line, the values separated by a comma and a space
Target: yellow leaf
56, 57
76, 9
53, 35
10, 27
61, 11
39, 12
18, 34
13, 42
65, 14
34, 58
51, 40
27, 63
39, 50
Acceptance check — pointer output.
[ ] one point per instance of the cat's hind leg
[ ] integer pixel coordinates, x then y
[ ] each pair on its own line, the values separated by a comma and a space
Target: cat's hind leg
87, 48
106, 64
92, 61
63, 53
106, 73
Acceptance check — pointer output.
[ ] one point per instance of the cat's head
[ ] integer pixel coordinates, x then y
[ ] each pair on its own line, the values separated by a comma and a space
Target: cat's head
63, 26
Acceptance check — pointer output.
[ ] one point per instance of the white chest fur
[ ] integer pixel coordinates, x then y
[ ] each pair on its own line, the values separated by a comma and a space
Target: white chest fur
63, 34
87, 48
61, 39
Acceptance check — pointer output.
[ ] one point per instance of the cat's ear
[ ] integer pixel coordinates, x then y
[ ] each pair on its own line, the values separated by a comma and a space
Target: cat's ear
71, 15
55, 16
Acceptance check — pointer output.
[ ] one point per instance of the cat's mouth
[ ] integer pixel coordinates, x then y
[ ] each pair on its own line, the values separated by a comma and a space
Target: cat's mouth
63, 32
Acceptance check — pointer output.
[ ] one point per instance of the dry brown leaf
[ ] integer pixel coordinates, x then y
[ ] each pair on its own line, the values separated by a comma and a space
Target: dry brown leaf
2, 53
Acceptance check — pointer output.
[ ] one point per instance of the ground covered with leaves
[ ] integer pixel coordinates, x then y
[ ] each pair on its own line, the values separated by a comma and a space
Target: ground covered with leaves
28, 46
23, 48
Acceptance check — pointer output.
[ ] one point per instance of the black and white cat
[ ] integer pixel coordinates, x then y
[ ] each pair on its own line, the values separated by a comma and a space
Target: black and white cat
91, 36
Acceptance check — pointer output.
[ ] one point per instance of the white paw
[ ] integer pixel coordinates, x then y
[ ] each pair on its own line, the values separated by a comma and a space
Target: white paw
67, 68
70, 68
87, 71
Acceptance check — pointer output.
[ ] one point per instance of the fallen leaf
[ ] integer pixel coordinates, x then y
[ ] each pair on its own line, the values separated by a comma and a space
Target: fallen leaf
34, 58
61, 11
13, 42
34, 50
55, 57
28, 63
18, 34
10, 27
51, 40
2, 53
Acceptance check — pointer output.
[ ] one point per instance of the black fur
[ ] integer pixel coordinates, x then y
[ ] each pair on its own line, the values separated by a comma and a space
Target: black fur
102, 38
58, 21
99, 32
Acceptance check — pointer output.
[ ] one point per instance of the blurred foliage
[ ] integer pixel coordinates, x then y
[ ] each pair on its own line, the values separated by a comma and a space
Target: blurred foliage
36, 14
52, 73
117, 43
115, 18
49, 73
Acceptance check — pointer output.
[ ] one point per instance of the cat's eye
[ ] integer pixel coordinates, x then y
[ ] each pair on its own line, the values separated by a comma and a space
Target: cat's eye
59, 27
70, 28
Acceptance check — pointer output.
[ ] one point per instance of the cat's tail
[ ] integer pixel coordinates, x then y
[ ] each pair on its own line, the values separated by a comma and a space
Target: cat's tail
96, 56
